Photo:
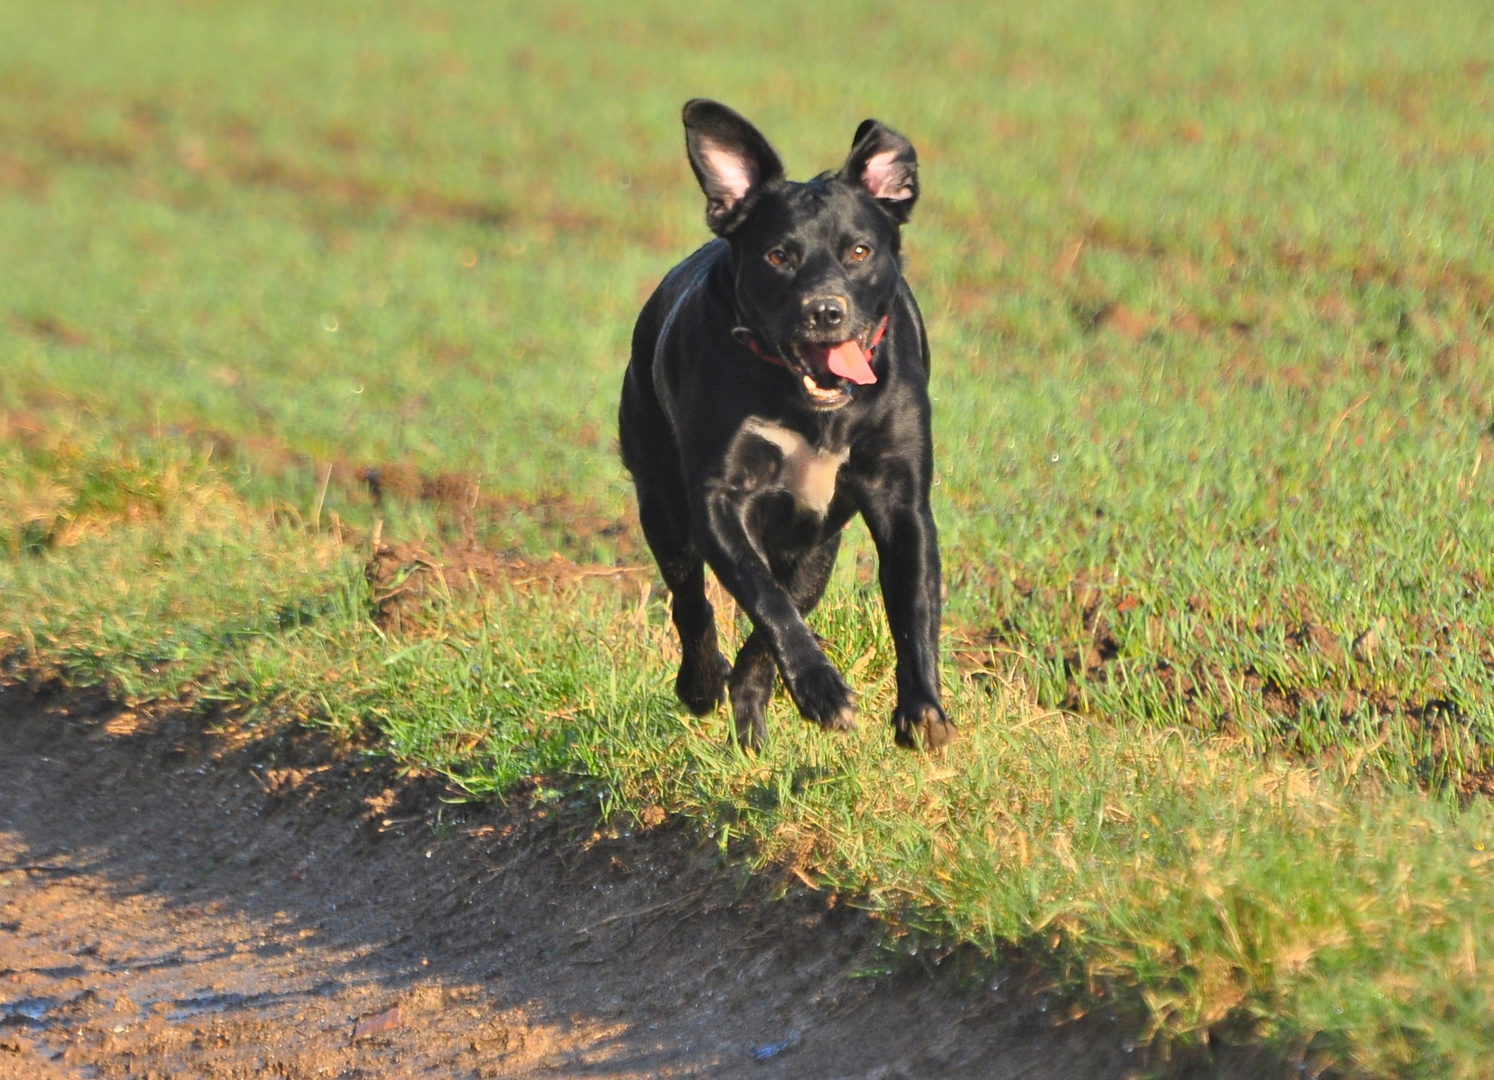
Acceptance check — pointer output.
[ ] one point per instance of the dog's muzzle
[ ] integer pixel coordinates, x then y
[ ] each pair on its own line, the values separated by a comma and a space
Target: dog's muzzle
838, 364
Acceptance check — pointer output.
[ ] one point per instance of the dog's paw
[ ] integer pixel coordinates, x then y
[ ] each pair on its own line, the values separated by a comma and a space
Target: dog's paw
823, 697
749, 699
751, 730
923, 727
701, 683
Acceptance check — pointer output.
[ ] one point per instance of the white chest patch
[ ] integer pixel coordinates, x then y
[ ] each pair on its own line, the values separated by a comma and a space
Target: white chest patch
808, 472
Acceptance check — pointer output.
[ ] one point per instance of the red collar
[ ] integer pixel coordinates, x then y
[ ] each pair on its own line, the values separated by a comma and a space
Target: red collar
748, 338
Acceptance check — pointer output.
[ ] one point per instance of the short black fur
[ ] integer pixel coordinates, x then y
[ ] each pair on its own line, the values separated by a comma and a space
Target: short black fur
751, 450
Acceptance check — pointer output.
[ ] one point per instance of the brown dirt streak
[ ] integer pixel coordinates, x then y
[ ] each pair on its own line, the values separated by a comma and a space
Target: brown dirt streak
405, 578
457, 498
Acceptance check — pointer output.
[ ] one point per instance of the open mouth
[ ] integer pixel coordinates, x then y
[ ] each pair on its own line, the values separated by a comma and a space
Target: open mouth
826, 397
827, 370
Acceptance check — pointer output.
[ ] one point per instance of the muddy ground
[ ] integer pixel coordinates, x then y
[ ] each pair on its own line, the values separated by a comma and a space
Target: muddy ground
181, 897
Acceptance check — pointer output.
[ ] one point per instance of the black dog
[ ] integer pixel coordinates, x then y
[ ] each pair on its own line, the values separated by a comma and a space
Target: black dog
778, 385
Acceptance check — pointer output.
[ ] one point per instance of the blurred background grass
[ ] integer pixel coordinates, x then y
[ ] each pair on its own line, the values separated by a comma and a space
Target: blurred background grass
1209, 290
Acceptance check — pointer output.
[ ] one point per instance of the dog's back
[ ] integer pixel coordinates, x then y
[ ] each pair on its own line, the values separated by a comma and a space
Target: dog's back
649, 392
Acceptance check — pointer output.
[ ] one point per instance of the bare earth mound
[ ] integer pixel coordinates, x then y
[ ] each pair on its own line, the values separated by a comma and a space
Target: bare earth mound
175, 902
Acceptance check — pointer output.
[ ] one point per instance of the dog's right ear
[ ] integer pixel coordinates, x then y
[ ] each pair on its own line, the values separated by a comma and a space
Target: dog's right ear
731, 160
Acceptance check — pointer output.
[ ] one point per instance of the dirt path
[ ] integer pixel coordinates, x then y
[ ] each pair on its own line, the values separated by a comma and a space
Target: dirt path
180, 903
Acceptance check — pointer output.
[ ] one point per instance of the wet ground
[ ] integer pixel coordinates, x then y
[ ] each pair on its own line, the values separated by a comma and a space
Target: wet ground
178, 901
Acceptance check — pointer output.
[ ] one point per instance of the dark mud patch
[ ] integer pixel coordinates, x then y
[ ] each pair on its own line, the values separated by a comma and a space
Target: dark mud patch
462, 504
52, 329
181, 896
407, 579
459, 498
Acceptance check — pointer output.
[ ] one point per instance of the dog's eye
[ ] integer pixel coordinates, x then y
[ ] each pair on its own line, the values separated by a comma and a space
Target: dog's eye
777, 257
860, 253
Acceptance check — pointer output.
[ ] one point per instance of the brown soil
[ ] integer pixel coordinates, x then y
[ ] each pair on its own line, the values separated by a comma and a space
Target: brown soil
406, 577
184, 898
458, 498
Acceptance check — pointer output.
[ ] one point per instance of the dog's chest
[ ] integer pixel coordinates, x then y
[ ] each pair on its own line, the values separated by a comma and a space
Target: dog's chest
807, 471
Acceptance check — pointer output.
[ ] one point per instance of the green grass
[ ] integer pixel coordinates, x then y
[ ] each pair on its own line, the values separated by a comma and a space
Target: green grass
1210, 294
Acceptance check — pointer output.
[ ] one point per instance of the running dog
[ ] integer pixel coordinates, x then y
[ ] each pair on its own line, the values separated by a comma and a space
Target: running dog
778, 386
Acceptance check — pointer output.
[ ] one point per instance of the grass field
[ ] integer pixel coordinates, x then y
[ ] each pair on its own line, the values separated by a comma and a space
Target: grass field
1210, 296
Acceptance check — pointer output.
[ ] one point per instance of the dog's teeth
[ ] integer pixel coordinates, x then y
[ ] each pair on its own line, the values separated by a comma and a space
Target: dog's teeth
809, 384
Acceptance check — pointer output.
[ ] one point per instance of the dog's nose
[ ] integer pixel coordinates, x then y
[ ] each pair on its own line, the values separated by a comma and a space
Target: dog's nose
824, 312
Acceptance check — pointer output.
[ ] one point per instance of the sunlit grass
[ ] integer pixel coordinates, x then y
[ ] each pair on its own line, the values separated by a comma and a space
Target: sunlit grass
1327, 910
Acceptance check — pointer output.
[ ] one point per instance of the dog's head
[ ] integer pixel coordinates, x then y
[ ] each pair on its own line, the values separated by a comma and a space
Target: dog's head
817, 263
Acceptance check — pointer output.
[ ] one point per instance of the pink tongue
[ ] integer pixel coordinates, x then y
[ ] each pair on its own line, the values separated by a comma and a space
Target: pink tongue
849, 362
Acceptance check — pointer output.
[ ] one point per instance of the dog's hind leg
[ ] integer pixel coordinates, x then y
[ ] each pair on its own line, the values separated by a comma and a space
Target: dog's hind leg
752, 675
752, 679
812, 574
701, 682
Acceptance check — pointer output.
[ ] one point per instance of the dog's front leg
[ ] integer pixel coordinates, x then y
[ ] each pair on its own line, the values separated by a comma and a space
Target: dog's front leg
902, 526
819, 692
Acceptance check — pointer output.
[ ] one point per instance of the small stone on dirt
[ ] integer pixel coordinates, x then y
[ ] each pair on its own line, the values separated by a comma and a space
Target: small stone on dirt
773, 1049
385, 1021
1368, 643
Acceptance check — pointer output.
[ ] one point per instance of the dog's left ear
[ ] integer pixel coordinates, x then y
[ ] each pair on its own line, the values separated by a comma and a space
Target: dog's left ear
884, 163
